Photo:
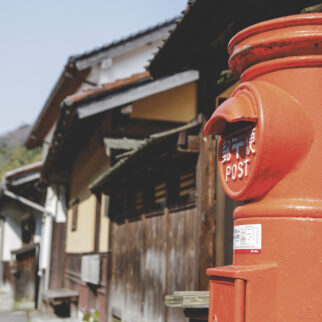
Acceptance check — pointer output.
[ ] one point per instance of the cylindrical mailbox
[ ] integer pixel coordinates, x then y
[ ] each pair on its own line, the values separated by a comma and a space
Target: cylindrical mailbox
270, 152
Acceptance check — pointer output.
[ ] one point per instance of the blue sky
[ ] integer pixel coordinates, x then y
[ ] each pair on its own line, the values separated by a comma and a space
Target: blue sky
37, 37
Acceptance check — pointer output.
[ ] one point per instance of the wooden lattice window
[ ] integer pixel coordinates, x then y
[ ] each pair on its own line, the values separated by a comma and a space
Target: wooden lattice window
139, 202
182, 188
160, 195
187, 186
106, 202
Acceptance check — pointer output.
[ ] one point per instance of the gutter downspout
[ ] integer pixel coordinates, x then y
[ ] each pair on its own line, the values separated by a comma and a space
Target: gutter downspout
21, 199
46, 251
45, 256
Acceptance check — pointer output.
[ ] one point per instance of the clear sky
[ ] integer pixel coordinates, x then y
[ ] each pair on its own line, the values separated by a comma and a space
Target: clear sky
38, 36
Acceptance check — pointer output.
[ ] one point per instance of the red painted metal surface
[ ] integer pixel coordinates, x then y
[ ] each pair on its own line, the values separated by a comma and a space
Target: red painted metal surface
269, 156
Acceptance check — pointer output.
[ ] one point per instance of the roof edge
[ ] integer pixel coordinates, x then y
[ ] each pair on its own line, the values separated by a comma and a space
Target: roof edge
98, 182
25, 169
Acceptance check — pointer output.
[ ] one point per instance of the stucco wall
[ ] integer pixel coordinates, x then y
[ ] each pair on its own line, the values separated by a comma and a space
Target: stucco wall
124, 65
12, 229
178, 105
129, 63
82, 239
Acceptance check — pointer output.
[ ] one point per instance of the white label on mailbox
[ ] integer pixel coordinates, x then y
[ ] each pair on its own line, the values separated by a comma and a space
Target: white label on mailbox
248, 239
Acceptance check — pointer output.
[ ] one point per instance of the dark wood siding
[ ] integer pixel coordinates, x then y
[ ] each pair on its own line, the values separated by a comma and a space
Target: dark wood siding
25, 277
91, 297
157, 255
6, 272
57, 260
151, 257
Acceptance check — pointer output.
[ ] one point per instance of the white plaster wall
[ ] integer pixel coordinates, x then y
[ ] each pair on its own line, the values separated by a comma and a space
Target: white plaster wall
61, 209
47, 141
130, 63
45, 244
122, 66
12, 237
94, 77
37, 215
56, 206
56, 202
13, 212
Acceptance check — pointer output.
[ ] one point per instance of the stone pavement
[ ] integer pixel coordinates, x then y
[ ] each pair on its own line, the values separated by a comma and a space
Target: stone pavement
23, 312
6, 308
36, 316
16, 316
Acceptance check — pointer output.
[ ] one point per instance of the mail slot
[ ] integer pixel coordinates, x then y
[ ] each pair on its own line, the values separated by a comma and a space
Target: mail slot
257, 148
269, 156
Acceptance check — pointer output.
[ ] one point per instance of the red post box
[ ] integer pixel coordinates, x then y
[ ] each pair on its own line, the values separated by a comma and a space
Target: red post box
270, 156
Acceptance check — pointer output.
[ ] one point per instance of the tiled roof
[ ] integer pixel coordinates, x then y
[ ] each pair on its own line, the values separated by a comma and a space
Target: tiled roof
201, 36
71, 78
105, 88
118, 42
68, 116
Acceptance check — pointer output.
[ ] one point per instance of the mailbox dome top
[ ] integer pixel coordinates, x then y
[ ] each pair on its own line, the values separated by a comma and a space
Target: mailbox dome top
290, 36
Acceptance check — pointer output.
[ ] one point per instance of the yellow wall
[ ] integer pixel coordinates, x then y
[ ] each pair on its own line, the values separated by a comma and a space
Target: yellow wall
82, 239
177, 105
90, 163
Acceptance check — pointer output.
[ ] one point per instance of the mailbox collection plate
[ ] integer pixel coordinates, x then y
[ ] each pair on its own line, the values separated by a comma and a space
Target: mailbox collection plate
248, 239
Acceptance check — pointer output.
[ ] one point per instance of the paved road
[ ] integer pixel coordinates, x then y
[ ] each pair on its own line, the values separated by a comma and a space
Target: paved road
6, 303
13, 316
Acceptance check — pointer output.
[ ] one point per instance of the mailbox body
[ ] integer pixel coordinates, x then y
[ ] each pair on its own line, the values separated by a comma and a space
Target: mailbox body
270, 153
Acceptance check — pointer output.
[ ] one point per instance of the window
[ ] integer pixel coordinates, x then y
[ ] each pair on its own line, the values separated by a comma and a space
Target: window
106, 201
171, 184
160, 195
139, 202
28, 229
74, 214
187, 187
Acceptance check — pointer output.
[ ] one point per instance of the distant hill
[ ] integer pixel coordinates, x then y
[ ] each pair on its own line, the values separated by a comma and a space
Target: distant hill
12, 152
15, 137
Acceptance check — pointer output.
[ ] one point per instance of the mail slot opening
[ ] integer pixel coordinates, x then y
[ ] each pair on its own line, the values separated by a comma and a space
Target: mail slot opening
236, 113
231, 129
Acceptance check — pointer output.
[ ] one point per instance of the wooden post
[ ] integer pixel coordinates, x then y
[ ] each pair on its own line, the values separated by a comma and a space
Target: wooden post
205, 211
97, 223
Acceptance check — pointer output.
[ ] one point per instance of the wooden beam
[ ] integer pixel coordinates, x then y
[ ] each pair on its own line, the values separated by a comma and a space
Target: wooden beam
121, 144
205, 212
188, 299
97, 223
